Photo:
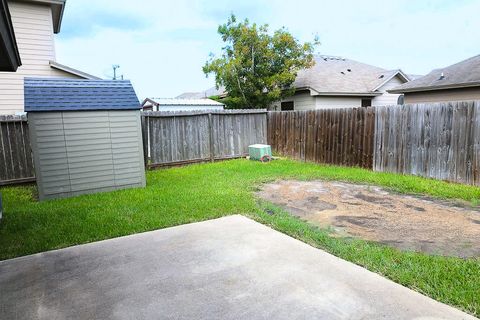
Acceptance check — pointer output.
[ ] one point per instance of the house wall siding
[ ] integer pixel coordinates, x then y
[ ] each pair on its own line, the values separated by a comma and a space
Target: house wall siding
462, 94
332, 102
305, 101
387, 99
301, 101
33, 28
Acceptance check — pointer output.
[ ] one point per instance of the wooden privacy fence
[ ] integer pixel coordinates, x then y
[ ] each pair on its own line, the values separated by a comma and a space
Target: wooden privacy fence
335, 136
16, 161
172, 138
440, 141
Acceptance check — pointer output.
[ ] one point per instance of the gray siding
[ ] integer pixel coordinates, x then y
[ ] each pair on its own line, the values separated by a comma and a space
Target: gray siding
86, 151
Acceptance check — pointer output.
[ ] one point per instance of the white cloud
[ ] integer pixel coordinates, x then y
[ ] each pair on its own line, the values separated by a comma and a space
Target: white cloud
162, 45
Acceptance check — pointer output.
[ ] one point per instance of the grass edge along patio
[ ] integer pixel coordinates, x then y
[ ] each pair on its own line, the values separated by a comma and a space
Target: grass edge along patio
206, 191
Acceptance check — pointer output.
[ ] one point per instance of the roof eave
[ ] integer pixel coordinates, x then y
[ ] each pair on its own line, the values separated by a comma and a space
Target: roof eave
148, 100
436, 88
8, 43
73, 71
314, 92
351, 94
191, 105
57, 12
399, 72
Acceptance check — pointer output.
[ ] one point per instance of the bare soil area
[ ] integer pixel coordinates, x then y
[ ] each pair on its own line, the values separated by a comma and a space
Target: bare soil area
372, 213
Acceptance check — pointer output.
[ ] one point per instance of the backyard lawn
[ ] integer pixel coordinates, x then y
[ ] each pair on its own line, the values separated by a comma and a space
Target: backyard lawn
206, 191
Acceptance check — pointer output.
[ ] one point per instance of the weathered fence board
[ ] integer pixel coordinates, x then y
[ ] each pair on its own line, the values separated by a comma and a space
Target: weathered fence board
335, 136
439, 141
16, 161
187, 137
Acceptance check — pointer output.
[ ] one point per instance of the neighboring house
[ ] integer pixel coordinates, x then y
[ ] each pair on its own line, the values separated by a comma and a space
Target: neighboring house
34, 22
161, 104
458, 82
335, 82
9, 55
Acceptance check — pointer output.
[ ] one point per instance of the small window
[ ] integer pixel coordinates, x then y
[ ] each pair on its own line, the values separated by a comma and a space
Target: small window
366, 103
401, 100
287, 106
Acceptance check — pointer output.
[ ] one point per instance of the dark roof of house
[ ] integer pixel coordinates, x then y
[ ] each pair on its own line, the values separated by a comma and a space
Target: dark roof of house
67, 95
337, 75
9, 55
459, 75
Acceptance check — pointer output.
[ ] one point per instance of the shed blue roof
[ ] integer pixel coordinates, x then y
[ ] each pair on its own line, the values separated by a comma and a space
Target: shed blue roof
67, 95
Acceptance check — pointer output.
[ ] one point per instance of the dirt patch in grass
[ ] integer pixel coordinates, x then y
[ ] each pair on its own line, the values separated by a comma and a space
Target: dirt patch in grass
372, 213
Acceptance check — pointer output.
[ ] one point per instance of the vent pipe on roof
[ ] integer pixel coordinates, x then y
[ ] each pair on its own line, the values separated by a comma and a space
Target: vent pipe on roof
441, 77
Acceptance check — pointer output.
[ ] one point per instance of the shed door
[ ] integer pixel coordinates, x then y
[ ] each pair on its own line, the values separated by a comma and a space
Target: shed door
89, 150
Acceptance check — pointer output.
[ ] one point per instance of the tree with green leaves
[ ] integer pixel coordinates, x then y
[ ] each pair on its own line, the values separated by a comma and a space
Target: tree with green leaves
255, 67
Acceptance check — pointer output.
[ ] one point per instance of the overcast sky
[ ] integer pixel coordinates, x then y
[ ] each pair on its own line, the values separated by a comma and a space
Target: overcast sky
162, 45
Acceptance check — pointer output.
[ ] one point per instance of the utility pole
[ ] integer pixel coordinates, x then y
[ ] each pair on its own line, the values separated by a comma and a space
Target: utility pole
115, 67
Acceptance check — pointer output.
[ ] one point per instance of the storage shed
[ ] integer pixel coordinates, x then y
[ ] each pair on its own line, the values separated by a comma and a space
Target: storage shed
86, 136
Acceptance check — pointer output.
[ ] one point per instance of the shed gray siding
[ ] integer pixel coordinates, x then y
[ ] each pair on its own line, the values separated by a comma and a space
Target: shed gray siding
78, 152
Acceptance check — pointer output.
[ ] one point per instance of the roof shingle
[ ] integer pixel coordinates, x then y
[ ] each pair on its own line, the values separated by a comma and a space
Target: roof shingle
462, 74
67, 95
340, 75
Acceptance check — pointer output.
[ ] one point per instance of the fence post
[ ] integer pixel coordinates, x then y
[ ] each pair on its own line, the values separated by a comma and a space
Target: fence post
210, 133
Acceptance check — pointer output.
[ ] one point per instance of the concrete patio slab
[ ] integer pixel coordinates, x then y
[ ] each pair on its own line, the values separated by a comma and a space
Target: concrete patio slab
229, 268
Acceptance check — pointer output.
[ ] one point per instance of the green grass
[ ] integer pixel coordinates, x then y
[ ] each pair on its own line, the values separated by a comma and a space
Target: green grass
200, 192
